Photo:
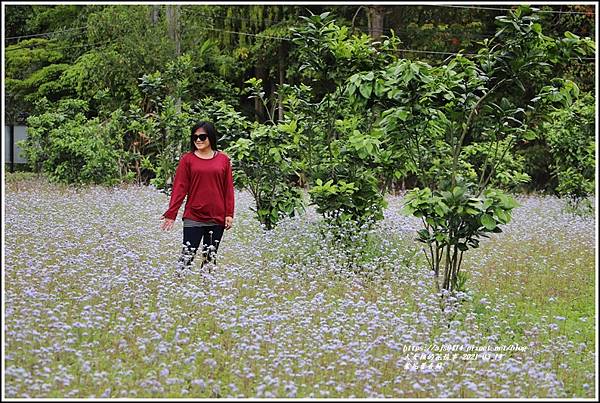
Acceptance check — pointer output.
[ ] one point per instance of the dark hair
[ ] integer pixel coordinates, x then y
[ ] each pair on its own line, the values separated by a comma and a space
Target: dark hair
210, 131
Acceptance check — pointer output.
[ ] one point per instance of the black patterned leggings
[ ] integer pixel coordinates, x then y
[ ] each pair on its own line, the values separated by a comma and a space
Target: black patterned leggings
210, 237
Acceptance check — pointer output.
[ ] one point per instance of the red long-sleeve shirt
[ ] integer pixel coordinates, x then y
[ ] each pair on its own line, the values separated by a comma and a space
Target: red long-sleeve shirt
208, 185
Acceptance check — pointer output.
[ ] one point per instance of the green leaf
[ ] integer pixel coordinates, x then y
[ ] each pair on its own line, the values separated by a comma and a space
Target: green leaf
462, 246
379, 87
402, 115
366, 89
423, 235
520, 85
502, 216
407, 76
508, 203
458, 191
571, 35
488, 222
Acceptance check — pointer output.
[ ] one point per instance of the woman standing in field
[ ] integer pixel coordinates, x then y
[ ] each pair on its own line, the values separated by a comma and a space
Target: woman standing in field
204, 176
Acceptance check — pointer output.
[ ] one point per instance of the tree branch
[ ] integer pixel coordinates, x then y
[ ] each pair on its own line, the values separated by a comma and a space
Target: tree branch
467, 126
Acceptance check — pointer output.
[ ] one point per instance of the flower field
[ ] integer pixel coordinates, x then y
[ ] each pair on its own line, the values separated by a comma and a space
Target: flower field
93, 308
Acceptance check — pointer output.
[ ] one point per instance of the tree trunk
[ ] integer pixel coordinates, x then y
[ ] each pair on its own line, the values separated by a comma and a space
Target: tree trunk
154, 14
174, 32
259, 112
173, 27
376, 16
281, 79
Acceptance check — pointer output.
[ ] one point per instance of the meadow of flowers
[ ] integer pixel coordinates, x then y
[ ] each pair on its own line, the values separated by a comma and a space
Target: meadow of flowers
93, 308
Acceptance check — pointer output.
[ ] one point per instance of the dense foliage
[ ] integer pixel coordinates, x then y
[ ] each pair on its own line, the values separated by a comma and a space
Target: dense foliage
303, 99
71, 148
265, 165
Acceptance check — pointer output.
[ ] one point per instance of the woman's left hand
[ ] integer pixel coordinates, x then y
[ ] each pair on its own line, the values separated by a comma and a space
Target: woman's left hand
228, 222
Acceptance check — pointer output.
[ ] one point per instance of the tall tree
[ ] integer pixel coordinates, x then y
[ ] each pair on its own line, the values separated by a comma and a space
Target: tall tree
376, 20
173, 27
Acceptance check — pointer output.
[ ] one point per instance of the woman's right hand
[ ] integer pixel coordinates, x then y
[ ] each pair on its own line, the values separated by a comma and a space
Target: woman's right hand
167, 224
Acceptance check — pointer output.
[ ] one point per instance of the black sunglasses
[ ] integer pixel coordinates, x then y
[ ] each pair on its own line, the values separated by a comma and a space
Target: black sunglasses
202, 137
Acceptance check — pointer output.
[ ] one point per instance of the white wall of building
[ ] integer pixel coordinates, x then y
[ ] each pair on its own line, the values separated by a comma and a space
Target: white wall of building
20, 134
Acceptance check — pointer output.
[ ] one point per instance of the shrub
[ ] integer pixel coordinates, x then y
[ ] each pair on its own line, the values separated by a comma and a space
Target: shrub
262, 164
69, 148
